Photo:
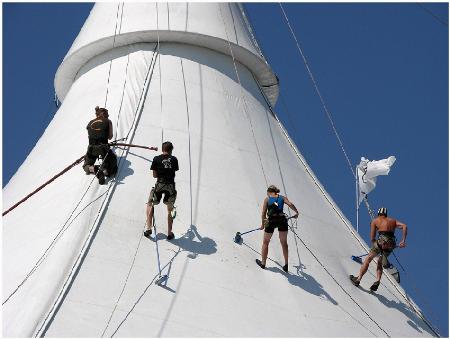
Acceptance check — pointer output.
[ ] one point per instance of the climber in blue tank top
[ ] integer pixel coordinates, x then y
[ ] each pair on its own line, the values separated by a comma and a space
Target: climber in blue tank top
273, 217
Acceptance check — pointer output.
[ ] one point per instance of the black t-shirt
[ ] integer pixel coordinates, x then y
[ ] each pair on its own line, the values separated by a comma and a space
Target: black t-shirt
98, 129
165, 166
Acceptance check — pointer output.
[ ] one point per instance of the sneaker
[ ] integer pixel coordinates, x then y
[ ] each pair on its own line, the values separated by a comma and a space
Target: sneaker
354, 280
285, 268
147, 232
170, 236
374, 286
260, 264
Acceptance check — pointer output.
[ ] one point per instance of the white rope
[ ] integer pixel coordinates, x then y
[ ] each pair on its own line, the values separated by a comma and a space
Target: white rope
242, 93
316, 87
90, 237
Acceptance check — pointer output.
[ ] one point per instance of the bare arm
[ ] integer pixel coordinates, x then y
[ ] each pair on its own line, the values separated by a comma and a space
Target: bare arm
155, 174
373, 231
263, 212
110, 130
291, 206
404, 232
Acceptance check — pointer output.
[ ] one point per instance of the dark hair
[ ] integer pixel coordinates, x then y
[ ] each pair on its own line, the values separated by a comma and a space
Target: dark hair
167, 147
100, 110
273, 188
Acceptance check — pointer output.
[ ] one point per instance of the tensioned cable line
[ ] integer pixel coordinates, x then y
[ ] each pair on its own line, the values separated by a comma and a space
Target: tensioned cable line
242, 92
296, 233
114, 43
189, 135
343, 149
316, 87
63, 227
317, 259
154, 223
337, 282
93, 230
440, 20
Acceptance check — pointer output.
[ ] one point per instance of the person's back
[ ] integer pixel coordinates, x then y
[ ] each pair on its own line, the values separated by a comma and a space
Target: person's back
165, 166
385, 224
98, 129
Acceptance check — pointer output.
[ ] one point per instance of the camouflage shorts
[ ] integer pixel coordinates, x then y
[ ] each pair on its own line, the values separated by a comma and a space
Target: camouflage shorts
169, 191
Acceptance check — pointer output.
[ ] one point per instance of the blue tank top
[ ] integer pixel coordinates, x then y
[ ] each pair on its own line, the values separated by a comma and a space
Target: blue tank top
279, 201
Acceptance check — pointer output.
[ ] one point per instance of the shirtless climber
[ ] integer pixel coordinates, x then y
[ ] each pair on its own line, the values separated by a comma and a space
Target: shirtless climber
383, 246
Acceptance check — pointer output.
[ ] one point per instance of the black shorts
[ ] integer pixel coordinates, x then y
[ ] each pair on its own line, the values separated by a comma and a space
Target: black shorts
279, 222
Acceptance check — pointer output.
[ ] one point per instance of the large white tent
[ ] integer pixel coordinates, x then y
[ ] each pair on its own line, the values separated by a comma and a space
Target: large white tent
75, 263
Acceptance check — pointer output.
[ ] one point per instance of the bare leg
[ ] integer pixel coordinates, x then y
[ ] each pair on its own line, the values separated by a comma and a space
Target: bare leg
365, 265
284, 245
169, 219
379, 268
149, 212
265, 247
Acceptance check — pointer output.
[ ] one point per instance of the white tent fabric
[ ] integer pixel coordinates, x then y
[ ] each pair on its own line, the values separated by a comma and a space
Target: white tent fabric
368, 171
92, 273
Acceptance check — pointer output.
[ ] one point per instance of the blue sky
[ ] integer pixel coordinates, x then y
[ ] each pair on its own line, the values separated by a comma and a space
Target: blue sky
383, 72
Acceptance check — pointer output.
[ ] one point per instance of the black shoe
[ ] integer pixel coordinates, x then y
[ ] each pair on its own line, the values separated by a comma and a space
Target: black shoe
285, 268
374, 286
147, 233
170, 236
260, 264
354, 280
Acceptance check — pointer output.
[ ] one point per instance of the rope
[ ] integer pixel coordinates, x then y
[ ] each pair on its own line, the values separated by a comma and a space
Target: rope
90, 237
189, 135
316, 87
242, 91
123, 95
124, 285
55, 239
343, 150
156, 242
334, 279
441, 21
76, 162
416, 288
114, 43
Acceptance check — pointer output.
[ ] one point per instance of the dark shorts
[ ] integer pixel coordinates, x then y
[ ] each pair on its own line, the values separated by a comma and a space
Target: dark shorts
109, 158
169, 191
276, 222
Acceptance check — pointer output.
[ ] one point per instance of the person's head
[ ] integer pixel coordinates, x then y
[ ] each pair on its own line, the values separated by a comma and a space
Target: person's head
167, 147
101, 112
272, 190
382, 211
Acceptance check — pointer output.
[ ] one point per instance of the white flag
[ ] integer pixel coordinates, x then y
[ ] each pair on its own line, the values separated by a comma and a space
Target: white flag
368, 172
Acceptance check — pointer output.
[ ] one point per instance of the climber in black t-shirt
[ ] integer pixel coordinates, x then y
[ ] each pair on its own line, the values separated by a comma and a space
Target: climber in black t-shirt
99, 131
164, 167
